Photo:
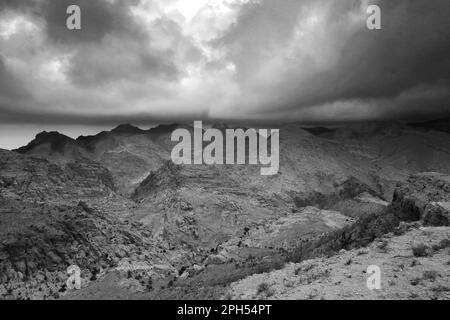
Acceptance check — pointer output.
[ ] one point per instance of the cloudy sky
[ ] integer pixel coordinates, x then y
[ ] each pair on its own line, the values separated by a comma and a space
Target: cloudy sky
145, 61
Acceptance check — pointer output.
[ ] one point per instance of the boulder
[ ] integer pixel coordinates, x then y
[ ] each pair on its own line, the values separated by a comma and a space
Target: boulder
424, 197
437, 214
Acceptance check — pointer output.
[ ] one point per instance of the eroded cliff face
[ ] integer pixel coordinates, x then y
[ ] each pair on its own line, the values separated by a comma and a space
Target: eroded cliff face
424, 197
54, 215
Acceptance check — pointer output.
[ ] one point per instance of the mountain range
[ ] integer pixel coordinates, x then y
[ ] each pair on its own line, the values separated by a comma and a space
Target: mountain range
140, 226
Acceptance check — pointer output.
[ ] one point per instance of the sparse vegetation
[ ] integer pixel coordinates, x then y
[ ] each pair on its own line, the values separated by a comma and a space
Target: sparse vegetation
265, 289
430, 275
316, 275
420, 250
441, 289
444, 244
304, 269
414, 263
312, 295
170, 284
383, 246
415, 281
413, 296
228, 296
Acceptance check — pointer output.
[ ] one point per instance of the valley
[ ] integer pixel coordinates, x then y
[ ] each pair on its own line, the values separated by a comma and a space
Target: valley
142, 227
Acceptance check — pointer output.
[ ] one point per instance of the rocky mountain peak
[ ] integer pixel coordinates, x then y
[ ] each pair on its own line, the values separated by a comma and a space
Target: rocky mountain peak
56, 140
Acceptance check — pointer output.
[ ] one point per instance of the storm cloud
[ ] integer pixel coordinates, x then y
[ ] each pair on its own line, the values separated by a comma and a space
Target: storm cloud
226, 59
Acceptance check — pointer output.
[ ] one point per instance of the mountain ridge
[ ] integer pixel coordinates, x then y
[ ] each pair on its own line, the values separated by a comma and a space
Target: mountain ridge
211, 224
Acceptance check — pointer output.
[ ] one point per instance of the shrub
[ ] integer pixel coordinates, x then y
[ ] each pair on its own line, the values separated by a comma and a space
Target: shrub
442, 245
170, 284
445, 243
312, 295
430, 275
415, 281
314, 276
304, 269
441, 289
264, 288
420, 250
414, 263
383, 246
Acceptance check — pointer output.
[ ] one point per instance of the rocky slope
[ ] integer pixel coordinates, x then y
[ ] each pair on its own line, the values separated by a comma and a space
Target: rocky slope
344, 276
410, 242
394, 150
56, 215
34, 179
427, 196
292, 258
39, 243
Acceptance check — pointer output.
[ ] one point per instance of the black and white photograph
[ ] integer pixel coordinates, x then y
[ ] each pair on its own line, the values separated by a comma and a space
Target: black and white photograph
225, 150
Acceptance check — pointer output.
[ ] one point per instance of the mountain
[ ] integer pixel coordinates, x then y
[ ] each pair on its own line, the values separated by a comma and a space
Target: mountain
395, 150
117, 194
53, 215
28, 178
128, 152
206, 205
203, 206
434, 125
54, 146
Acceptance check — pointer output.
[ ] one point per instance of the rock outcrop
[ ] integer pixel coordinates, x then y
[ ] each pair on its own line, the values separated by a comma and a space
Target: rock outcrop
424, 197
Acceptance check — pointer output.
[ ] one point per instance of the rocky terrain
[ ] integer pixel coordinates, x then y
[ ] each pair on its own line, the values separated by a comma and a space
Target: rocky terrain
344, 276
413, 254
141, 227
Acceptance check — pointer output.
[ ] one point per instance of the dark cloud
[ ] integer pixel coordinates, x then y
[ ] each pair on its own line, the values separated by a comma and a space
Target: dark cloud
121, 59
291, 59
412, 49
11, 115
111, 45
99, 18
22, 5
10, 86
133, 57
262, 28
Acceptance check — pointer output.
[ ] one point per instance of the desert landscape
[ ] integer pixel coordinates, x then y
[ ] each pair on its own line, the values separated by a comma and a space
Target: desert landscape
141, 227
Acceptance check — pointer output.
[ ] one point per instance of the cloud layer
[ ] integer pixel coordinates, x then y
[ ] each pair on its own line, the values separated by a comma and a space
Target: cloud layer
149, 60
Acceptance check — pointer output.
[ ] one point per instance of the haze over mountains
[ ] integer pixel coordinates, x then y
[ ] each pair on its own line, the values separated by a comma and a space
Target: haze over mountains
116, 205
